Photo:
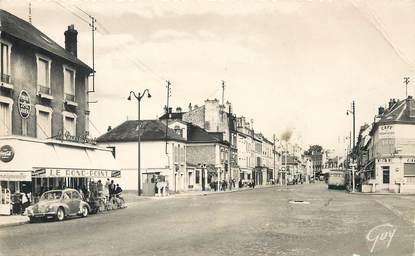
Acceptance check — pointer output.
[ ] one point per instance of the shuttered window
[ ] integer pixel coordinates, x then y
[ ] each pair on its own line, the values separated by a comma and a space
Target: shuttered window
43, 125
409, 169
5, 120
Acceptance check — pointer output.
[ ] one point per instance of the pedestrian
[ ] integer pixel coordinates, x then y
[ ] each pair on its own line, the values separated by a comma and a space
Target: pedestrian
118, 190
100, 188
107, 188
112, 189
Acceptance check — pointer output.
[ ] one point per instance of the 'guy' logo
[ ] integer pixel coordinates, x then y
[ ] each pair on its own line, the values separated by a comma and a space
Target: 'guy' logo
384, 232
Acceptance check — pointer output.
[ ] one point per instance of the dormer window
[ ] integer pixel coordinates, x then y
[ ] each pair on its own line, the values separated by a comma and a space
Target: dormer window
69, 85
5, 49
43, 76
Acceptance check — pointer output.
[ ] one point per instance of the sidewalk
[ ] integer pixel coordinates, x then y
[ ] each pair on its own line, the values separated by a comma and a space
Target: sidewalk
381, 194
13, 220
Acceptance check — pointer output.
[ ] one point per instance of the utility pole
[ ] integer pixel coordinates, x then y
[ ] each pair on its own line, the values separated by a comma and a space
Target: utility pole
167, 109
30, 12
406, 82
274, 138
230, 145
223, 93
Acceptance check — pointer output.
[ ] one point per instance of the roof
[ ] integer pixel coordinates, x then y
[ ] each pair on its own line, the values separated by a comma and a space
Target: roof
196, 134
23, 30
402, 112
152, 130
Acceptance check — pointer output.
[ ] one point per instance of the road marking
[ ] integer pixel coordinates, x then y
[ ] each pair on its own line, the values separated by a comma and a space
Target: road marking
395, 211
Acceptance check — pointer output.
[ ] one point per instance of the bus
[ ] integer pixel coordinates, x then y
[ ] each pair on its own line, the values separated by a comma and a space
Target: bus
337, 179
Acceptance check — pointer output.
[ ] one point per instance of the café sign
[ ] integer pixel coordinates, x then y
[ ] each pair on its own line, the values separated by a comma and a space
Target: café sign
15, 176
6, 153
24, 104
80, 173
386, 132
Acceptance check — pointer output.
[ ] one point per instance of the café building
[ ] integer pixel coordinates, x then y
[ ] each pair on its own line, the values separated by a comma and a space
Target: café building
44, 114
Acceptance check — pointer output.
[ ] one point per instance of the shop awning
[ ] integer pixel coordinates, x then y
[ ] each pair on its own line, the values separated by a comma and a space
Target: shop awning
58, 159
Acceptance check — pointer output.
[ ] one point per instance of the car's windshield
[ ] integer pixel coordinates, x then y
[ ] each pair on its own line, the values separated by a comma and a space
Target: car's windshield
52, 195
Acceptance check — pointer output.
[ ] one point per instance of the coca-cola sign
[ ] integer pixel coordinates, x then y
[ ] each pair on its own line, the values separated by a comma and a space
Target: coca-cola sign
24, 104
6, 153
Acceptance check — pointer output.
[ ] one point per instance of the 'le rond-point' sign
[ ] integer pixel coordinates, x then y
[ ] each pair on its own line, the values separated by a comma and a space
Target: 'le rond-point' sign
24, 104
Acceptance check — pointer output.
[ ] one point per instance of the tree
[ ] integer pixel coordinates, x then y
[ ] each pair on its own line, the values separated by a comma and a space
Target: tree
314, 149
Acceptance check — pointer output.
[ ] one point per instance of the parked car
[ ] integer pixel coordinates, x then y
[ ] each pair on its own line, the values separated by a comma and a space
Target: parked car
58, 204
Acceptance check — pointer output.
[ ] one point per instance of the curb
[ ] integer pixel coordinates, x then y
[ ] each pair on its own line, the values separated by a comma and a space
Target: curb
17, 223
379, 194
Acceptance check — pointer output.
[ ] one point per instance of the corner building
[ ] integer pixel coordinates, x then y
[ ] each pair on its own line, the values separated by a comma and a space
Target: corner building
44, 115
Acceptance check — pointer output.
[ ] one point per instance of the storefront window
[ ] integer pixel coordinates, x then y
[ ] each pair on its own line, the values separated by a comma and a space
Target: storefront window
197, 180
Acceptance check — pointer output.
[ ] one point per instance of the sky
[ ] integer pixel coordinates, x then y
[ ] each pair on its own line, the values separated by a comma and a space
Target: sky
288, 64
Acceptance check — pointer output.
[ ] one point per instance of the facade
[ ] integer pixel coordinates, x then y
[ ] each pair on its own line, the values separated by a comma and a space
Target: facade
161, 158
390, 150
44, 113
246, 149
207, 157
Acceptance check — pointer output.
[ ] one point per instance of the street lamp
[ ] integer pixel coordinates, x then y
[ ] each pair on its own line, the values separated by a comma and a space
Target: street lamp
353, 112
138, 97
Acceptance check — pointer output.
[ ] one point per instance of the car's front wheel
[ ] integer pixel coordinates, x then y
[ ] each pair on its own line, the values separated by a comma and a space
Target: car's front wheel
60, 214
84, 211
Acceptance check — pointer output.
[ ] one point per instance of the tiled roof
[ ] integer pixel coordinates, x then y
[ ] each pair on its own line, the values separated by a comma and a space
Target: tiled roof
197, 134
152, 130
25, 31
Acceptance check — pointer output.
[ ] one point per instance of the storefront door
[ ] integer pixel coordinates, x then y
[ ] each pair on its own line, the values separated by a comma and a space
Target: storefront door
386, 177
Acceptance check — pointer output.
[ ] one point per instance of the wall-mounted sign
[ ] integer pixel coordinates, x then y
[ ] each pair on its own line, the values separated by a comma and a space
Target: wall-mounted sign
85, 138
76, 173
15, 176
24, 104
6, 153
386, 132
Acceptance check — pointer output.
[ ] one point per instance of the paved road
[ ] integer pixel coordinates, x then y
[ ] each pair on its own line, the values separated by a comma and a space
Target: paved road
253, 222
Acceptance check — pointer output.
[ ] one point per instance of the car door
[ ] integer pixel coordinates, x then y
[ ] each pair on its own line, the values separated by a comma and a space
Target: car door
67, 199
76, 201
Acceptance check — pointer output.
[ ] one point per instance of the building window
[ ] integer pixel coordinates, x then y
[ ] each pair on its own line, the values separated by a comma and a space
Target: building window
43, 74
43, 122
69, 123
197, 178
386, 174
5, 62
5, 116
69, 83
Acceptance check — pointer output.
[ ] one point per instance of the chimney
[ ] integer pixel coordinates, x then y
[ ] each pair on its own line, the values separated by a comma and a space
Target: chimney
381, 110
391, 103
170, 110
410, 107
71, 42
179, 110
190, 106
109, 128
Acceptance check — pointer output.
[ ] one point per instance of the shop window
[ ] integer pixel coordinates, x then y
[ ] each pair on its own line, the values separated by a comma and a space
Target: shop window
69, 122
44, 124
43, 74
6, 117
409, 169
5, 62
69, 83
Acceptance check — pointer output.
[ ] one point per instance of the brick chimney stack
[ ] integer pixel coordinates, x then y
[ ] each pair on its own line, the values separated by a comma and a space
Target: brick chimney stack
71, 40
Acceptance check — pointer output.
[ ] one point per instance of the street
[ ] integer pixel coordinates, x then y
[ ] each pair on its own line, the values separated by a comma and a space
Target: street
251, 222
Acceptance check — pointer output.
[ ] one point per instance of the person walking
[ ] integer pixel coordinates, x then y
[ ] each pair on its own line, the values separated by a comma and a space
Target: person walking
107, 189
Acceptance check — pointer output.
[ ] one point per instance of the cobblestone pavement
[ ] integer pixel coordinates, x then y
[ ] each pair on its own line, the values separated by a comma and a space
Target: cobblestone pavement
251, 222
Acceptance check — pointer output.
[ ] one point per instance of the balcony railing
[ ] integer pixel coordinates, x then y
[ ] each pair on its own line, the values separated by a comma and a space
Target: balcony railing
5, 78
44, 90
69, 97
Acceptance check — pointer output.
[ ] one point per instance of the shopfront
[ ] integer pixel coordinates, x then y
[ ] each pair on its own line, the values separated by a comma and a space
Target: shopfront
33, 166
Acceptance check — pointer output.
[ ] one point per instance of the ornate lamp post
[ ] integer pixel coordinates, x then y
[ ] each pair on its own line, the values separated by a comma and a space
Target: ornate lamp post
138, 97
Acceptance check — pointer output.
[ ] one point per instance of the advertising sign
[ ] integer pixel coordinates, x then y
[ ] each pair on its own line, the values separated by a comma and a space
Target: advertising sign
6, 153
15, 176
386, 132
24, 104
